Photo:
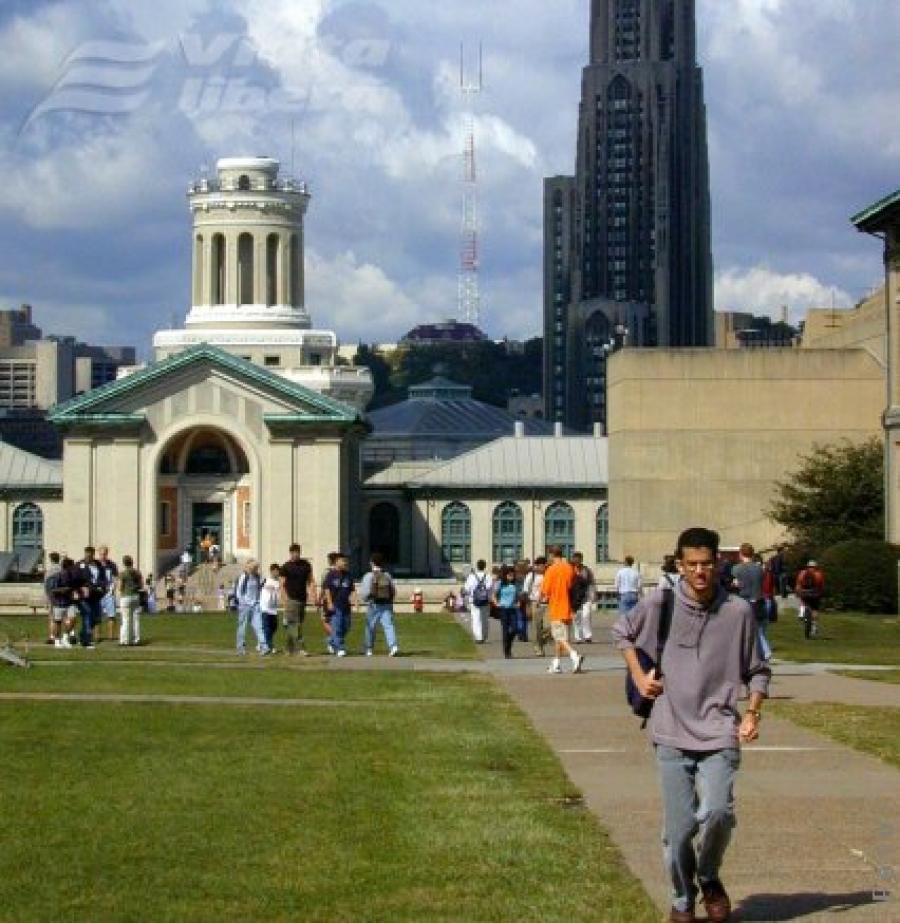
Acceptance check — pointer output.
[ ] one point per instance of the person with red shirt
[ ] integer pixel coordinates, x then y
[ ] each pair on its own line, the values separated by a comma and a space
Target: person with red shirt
555, 588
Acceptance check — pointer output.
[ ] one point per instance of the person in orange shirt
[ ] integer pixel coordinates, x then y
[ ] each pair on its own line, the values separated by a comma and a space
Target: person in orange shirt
558, 580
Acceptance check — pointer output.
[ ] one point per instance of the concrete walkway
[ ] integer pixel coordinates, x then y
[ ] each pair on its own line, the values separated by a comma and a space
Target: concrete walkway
818, 823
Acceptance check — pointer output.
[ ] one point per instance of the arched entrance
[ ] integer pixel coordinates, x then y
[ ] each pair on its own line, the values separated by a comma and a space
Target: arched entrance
384, 531
204, 492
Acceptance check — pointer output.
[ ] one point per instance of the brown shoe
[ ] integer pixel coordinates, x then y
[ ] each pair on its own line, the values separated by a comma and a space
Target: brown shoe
681, 916
716, 901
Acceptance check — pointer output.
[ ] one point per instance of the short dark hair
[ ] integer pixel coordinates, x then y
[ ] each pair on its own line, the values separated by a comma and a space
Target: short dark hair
481, 564
555, 550
697, 537
294, 549
378, 559
127, 560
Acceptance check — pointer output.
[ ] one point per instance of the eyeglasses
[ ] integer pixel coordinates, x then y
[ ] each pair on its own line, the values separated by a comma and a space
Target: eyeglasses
697, 565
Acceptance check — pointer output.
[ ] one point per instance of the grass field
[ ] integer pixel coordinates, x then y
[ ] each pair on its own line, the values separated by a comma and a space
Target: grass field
871, 730
843, 638
178, 781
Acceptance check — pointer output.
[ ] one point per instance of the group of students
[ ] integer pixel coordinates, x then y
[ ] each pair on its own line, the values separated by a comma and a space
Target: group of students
291, 588
553, 596
92, 591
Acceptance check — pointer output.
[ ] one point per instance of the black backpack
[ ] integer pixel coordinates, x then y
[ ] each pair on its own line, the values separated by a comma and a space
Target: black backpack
578, 592
480, 594
639, 705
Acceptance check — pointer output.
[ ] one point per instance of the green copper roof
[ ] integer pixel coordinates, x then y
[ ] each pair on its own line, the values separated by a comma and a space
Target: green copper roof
89, 407
874, 217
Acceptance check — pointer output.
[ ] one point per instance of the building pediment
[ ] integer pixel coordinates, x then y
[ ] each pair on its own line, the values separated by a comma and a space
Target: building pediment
201, 380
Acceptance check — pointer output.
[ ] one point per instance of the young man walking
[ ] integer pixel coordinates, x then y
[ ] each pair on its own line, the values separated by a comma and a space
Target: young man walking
377, 591
297, 587
340, 593
555, 589
713, 649
477, 589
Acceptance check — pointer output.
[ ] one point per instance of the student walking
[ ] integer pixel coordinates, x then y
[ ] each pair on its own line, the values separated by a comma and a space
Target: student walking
697, 729
248, 591
556, 589
377, 591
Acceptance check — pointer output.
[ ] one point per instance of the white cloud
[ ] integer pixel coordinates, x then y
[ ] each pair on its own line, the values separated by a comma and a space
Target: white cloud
802, 96
761, 291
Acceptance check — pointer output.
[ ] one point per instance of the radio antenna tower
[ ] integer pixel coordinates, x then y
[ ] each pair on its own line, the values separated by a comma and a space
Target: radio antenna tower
469, 299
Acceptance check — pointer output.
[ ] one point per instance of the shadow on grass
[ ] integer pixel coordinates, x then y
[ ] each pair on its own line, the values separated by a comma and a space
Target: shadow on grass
777, 907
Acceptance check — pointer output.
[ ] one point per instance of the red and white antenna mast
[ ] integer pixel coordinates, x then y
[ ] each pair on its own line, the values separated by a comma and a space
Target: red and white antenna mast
469, 299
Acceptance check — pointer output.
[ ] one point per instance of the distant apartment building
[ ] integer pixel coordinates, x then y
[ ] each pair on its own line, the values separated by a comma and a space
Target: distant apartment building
37, 372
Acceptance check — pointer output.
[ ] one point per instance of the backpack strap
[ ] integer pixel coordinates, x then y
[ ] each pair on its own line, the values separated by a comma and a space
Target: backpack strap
665, 624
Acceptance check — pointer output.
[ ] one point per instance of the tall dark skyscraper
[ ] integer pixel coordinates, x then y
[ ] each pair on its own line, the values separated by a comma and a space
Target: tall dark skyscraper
627, 238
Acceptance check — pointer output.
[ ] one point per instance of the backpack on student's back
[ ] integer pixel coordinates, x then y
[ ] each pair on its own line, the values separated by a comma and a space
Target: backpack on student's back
51, 583
382, 592
578, 592
480, 594
809, 584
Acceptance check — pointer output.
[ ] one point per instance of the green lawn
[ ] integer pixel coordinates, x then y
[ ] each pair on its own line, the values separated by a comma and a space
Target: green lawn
211, 635
850, 639
305, 794
844, 638
872, 730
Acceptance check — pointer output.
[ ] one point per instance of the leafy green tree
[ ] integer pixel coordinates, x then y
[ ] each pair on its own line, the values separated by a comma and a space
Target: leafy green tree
836, 494
861, 575
491, 370
372, 358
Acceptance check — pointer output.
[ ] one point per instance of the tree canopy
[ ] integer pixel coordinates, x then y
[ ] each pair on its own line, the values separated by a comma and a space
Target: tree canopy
493, 370
836, 494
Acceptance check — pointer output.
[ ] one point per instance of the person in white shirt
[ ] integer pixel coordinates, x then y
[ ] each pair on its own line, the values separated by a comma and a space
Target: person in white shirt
477, 590
628, 585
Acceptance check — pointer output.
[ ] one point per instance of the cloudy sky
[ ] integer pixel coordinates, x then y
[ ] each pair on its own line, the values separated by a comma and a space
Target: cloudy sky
110, 108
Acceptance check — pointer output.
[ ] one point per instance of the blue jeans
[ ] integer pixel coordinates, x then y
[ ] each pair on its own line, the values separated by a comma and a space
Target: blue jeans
698, 798
340, 628
85, 611
627, 601
250, 613
382, 614
509, 623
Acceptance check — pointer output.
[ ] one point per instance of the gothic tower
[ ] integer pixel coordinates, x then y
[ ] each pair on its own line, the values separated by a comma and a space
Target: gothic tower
627, 239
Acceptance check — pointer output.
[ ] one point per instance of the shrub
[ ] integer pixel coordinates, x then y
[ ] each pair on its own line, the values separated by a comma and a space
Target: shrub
861, 574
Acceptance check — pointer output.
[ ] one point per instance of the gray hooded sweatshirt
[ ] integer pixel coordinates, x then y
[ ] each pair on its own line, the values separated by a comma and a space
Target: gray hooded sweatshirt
712, 652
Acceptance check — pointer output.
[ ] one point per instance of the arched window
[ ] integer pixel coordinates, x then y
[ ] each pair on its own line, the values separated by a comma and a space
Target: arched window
384, 531
199, 268
208, 458
272, 245
508, 533
456, 533
245, 269
217, 270
559, 527
603, 534
28, 526
244, 182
